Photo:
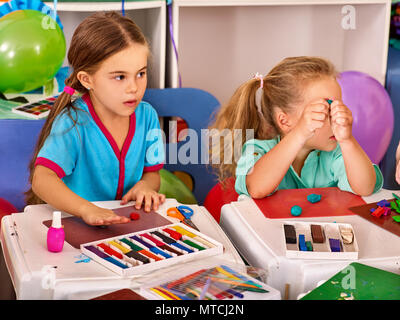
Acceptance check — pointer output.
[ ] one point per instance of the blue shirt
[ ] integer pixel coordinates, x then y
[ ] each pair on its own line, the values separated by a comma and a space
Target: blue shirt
87, 159
321, 169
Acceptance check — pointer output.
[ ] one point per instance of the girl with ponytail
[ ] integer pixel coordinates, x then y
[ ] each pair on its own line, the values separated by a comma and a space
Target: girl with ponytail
302, 134
104, 143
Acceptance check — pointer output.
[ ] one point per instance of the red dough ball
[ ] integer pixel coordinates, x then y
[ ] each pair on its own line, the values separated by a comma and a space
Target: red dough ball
134, 216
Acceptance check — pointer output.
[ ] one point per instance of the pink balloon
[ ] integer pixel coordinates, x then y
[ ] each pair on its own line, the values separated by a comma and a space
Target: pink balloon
373, 117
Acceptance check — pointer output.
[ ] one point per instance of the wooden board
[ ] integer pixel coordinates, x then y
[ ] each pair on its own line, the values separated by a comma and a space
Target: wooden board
78, 232
385, 222
334, 202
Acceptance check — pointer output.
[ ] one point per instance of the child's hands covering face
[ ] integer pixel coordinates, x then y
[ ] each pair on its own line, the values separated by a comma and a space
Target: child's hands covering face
313, 117
341, 121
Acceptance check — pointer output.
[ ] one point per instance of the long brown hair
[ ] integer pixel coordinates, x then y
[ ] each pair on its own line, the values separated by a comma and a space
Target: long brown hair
282, 88
97, 37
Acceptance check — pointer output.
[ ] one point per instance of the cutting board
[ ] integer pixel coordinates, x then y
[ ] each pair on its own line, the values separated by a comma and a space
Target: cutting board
78, 232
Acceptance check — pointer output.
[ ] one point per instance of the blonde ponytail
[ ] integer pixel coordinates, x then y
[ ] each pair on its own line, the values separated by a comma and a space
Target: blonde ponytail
62, 103
231, 127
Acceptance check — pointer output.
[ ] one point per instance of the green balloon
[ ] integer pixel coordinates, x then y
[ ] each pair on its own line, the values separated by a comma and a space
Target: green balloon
32, 50
173, 187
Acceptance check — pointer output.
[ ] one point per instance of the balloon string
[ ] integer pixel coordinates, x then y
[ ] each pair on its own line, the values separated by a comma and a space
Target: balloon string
123, 7
55, 10
171, 31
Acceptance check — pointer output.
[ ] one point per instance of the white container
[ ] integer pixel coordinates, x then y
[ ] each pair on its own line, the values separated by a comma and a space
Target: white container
272, 294
140, 269
320, 250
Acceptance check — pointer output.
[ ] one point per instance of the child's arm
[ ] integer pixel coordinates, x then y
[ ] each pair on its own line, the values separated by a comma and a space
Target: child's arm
275, 163
146, 190
359, 169
51, 189
270, 169
398, 164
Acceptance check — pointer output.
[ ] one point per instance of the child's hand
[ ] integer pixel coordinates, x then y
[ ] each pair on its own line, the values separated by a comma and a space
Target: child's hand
398, 172
341, 121
397, 163
143, 192
313, 117
99, 216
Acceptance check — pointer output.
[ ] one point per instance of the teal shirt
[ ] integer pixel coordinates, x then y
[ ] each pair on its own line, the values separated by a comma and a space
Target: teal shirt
321, 169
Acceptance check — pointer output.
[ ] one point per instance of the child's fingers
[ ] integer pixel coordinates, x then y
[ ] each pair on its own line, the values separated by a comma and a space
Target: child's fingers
319, 116
317, 112
315, 121
115, 219
156, 201
313, 125
139, 201
121, 221
104, 221
161, 197
340, 114
317, 125
398, 175
147, 202
398, 172
336, 103
320, 102
344, 121
340, 109
111, 222
319, 107
97, 222
127, 197
103, 217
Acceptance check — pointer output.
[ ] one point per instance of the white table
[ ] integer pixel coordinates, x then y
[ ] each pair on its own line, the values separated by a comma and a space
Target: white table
261, 242
32, 266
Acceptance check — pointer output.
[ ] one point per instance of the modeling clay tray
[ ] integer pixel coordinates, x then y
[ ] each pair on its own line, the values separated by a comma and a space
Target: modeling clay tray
216, 282
151, 249
36, 110
312, 240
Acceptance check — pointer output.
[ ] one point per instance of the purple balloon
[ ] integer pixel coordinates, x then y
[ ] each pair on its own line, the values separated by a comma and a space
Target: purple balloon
373, 117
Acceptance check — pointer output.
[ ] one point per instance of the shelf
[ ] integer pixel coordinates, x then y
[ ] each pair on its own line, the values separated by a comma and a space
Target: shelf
150, 16
209, 3
105, 6
221, 44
